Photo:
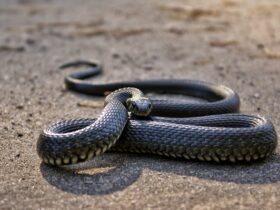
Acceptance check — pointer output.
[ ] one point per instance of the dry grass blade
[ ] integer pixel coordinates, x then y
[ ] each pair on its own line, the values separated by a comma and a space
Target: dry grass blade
42, 25
231, 3
116, 33
76, 24
185, 11
222, 43
12, 48
271, 53
93, 104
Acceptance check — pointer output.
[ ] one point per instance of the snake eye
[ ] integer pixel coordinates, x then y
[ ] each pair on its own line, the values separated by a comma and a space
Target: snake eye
133, 106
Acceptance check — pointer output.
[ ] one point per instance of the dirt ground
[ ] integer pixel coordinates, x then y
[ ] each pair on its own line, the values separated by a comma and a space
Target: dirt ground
232, 42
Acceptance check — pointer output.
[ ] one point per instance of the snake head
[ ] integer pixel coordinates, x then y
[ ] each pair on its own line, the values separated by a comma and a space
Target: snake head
140, 106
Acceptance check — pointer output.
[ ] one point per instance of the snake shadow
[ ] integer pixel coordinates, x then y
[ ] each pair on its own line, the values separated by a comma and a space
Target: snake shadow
114, 172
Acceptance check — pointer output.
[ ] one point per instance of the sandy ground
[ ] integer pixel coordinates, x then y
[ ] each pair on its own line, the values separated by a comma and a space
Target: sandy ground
235, 43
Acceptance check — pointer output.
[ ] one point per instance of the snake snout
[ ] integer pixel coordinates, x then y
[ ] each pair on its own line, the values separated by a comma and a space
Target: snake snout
140, 106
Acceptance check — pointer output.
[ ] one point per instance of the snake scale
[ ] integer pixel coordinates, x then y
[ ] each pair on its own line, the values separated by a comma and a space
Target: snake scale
131, 122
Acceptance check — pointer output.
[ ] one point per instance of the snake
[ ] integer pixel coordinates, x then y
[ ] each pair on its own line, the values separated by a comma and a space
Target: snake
210, 130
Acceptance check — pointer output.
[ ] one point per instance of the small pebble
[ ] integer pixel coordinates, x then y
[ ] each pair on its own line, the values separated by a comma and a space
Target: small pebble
116, 55
19, 134
220, 67
252, 84
148, 67
260, 46
20, 106
256, 95
30, 41
28, 120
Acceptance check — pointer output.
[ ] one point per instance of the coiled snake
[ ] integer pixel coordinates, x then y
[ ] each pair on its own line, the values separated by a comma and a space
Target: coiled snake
171, 128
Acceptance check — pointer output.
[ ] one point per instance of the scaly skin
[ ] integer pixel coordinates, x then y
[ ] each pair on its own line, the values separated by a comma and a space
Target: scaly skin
218, 137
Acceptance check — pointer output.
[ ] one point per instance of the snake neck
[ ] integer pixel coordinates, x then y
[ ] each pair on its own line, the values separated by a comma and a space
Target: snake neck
123, 95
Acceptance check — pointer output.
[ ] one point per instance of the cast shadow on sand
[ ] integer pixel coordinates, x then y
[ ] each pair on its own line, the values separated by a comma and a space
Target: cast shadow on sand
113, 172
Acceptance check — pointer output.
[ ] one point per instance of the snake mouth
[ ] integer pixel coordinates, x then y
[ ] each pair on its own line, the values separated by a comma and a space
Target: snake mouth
141, 106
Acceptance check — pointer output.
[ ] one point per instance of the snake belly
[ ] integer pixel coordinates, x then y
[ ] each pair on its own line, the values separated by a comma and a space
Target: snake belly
209, 131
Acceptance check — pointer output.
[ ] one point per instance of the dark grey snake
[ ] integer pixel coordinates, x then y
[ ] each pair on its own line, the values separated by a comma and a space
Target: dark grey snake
131, 122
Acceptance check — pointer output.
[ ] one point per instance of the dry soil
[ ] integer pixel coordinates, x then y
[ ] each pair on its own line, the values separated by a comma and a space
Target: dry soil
232, 42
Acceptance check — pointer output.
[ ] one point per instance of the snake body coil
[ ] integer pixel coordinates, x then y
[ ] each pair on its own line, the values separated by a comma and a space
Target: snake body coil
173, 128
